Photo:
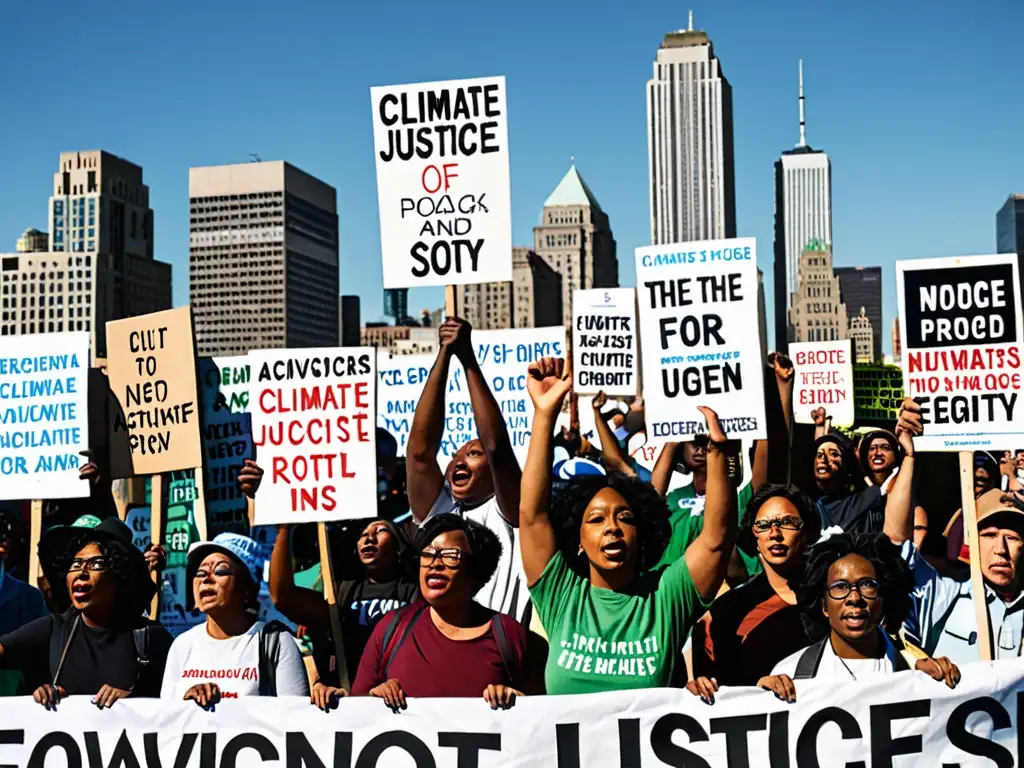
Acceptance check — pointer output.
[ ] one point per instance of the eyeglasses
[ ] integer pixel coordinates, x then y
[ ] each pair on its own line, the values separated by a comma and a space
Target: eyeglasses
452, 558
866, 588
97, 564
218, 573
785, 523
377, 531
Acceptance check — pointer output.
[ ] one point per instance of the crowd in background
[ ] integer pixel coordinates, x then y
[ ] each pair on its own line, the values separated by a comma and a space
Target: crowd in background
583, 571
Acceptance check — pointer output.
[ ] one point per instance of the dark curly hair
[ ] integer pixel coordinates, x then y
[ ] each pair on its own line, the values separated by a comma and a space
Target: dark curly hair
649, 513
485, 546
807, 509
893, 576
133, 593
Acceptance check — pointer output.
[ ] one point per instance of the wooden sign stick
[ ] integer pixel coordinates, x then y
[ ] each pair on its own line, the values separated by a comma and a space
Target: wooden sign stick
330, 594
971, 537
156, 530
34, 534
451, 301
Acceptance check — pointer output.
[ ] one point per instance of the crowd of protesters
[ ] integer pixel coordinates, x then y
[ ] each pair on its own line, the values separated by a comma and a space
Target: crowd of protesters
580, 572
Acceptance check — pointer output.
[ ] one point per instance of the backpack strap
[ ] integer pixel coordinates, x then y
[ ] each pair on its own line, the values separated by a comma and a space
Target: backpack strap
807, 664
386, 657
504, 648
142, 646
270, 654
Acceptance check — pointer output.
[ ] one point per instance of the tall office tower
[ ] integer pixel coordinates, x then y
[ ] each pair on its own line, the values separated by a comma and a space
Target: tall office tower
816, 309
1010, 232
862, 336
897, 342
862, 287
99, 265
689, 142
263, 258
575, 239
803, 212
396, 304
348, 321
33, 241
532, 299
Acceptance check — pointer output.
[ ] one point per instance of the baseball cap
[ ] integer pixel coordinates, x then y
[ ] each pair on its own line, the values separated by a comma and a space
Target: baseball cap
998, 508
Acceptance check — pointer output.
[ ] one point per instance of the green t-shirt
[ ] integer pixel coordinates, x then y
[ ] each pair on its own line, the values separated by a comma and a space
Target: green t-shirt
607, 641
686, 518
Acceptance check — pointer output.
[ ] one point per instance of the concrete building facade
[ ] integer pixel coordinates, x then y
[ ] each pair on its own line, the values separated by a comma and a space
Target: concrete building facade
862, 337
690, 142
99, 266
816, 311
263, 258
575, 239
862, 287
349, 322
33, 241
532, 299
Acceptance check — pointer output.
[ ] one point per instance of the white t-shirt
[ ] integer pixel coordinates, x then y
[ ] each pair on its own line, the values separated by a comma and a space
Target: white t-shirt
506, 592
232, 664
832, 667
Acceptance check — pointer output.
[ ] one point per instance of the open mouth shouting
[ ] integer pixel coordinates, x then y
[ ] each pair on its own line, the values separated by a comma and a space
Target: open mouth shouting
461, 476
81, 590
778, 550
615, 550
436, 581
206, 594
855, 621
368, 551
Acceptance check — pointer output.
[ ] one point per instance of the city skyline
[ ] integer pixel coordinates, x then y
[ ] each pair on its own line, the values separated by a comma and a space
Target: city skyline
894, 195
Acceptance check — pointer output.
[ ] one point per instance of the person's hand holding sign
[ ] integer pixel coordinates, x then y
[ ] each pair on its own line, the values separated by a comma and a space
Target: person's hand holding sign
548, 381
250, 477
203, 694
455, 335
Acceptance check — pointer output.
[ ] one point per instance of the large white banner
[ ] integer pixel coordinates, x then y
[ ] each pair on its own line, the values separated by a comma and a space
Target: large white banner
312, 423
960, 325
906, 720
698, 332
443, 182
604, 341
504, 357
44, 418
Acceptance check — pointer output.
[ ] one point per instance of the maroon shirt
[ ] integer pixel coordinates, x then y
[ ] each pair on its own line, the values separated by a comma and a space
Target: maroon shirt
429, 664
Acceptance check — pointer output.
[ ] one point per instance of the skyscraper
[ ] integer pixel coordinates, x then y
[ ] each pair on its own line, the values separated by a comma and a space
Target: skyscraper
575, 239
263, 258
817, 311
396, 304
348, 321
1010, 231
99, 265
803, 212
689, 142
862, 287
862, 337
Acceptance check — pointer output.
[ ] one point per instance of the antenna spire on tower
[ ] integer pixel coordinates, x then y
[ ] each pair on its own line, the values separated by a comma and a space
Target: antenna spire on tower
691, 20
803, 132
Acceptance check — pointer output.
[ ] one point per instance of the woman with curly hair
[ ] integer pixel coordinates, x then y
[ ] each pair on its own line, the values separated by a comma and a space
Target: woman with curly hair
448, 644
855, 593
101, 646
615, 621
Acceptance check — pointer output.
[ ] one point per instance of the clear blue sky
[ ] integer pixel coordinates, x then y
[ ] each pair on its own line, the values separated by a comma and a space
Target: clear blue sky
918, 104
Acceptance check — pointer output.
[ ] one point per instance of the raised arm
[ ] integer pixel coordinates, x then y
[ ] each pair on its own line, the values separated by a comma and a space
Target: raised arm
661, 476
424, 478
899, 511
611, 454
548, 381
707, 558
302, 606
490, 424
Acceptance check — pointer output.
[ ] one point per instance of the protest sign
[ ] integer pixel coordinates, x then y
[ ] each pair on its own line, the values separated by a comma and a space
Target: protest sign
822, 378
504, 357
228, 441
151, 366
44, 417
604, 348
960, 323
312, 413
904, 719
443, 182
698, 331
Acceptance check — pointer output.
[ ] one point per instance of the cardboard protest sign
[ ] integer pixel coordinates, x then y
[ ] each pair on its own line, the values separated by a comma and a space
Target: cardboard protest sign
960, 322
698, 304
313, 424
604, 341
443, 182
44, 416
227, 440
822, 378
504, 357
151, 366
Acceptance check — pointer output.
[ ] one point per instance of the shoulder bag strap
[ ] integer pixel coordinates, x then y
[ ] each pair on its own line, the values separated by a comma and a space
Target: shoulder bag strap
807, 664
270, 653
67, 645
386, 657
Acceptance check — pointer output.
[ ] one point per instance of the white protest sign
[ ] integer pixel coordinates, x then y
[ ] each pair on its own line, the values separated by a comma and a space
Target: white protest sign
960, 324
886, 720
504, 357
822, 378
227, 440
698, 331
44, 419
604, 348
443, 192
312, 419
